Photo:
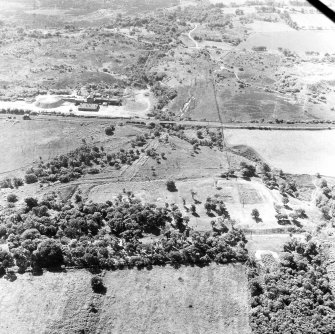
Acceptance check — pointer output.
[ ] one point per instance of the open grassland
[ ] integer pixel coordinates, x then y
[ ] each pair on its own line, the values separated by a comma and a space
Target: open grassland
162, 300
266, 242
32, 304
297, 41
312, 21
298, 152
188, 300
23, 142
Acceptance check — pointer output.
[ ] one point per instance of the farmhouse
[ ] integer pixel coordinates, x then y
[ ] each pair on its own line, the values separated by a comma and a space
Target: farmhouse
109, 101
105, 100
259, 48
88, 107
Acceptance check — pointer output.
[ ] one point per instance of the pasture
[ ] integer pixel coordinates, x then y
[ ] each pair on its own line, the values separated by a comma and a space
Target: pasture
296, 152
312, 21
296, 41
209, 300
23, 142
161, 300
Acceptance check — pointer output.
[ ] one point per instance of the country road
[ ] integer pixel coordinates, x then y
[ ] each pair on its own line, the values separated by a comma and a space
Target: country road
211, 124
192, 39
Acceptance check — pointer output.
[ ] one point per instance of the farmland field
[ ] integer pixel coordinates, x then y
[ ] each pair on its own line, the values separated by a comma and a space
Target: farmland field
298, 41
312, 21
300, 152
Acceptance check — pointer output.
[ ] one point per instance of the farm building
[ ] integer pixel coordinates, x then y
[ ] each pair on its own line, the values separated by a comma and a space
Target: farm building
109, 101
88, 107
259, 48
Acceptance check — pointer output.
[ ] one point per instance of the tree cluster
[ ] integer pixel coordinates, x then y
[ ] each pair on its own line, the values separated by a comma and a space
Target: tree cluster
50, 233
296, 297
71, 166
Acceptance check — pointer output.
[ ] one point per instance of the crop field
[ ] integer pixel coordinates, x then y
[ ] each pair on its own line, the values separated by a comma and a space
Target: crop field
268, 27
247, 105
297, 41
299, 152
312, 21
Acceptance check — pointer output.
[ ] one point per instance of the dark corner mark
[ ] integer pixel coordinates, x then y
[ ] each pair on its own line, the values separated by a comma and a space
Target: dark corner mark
323, 9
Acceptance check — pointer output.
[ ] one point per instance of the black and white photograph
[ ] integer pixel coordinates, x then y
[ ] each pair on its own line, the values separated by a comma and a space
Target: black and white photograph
167, 167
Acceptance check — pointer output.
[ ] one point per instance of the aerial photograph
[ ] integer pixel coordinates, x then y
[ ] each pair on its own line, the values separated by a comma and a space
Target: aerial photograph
167, 167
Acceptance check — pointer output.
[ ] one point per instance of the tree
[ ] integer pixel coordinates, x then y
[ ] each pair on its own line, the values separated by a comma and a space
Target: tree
255, 214
17, 182
208, 207
265, 168
323, 183
31, 178
109, 131
49, 254
31, 202
97, 284
285, 200
247, 170
6, 261
199, 134
171, 185
11, 198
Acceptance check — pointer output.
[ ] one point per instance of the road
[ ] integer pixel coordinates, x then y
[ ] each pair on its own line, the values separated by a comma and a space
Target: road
190, 123
192, 39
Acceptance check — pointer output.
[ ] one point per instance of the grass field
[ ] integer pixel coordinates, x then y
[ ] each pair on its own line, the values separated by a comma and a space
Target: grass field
297, 152
23, 142
163, 300
298, 41
312, 21
33, 304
